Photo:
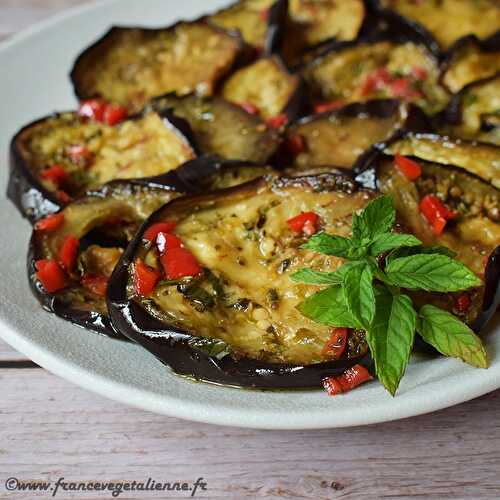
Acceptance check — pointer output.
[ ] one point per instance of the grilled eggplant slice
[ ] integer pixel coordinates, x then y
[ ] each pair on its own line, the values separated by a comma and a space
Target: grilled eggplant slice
260, 22
357, 72
102, 222
482, 160
222, 128
449, 20
129, 66
267, 87
236, 322
470, 60
473, 232
64, 155
340, 137
474, 113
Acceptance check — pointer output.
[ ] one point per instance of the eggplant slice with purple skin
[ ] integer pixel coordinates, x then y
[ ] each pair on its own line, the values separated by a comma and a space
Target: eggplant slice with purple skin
473, 233
236, 322
260, 22
222, 128
130, 65
268, 89
445, 21
381, 67
473, 113
345, 135
87, 154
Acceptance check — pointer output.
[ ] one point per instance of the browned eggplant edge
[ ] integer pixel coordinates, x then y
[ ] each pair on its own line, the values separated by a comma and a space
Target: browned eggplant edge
172, 345
27, 193
89, 53
367, 176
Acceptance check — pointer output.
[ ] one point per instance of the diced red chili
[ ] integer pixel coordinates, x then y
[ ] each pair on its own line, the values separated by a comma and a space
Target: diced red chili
114, 113
56, 174
63, 197
295, 144
376, 80
419, 73
250, 108
436, 212
351, 378
145, 278
179, 262
95, 284
463, 302
323, 107
50, 223
306, 223
264, 15
336, 344
409, 168
167, 241
79, 152
160, 227
68, 252
93, 108
277, 121
50, 275
402, 87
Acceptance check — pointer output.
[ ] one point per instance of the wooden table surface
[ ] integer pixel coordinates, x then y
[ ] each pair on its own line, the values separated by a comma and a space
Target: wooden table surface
51, 429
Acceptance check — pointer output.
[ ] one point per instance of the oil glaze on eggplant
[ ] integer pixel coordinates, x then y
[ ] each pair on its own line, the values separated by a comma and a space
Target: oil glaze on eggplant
181, 347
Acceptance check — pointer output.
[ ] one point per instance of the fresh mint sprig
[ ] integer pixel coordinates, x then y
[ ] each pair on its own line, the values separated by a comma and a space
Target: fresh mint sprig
369, 292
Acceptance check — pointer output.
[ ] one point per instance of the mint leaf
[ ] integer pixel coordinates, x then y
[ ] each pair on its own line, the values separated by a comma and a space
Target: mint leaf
389, 241
312, 277
377, 218
329, 244
406, 252
450, 336
437, 273
390, 336
359, 294
329, 308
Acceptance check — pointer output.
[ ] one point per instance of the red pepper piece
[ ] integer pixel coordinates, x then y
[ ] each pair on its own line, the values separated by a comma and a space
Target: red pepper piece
419, 73
351, 378
114, 114
436, 212
145, 278
50, 223
264, 15
409, 168
79, 152
323, 107
463, 302
402, 87
93, 108
306, 223
160, 227
335, 346
167, 241
295, 144
277, 121
50, 275
68, 252
376, 80
56, 174
63, 197
179, 262
250, 108
95, 284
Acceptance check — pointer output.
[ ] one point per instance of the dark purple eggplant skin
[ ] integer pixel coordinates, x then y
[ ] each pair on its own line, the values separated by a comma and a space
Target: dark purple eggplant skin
31, 198
171, 345
276, 22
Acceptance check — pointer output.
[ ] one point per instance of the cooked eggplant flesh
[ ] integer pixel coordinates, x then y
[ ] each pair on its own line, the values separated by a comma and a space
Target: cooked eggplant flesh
340, 138
482, 160
234, 175
245, 296
129, 66
322, 20
92, 153
449, 20
474, 109
383, 69
103, 222
223, 128
249, 17
469, 63
266, 85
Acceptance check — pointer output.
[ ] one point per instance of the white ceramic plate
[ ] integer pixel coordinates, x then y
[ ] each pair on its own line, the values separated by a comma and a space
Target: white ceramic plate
34, 82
